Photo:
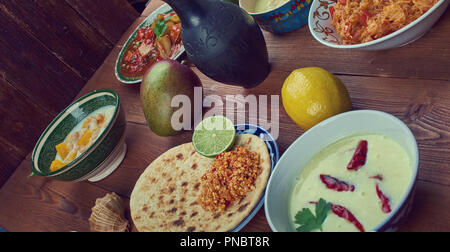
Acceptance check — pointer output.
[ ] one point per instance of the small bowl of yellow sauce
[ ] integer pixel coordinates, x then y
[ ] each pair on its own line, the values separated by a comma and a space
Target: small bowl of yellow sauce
86, 141
354, 172
278, 16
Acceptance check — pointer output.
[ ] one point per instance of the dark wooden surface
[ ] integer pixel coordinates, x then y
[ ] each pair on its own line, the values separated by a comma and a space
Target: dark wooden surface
48, 51
412, 83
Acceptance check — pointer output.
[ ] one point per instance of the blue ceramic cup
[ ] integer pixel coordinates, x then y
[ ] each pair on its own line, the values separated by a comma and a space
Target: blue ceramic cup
288, 17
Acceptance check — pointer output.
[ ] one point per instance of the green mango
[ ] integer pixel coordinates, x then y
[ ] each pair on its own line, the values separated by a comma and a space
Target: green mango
161, 83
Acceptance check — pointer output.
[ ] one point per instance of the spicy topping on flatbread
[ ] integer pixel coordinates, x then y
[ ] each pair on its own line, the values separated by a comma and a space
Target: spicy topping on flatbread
231, 177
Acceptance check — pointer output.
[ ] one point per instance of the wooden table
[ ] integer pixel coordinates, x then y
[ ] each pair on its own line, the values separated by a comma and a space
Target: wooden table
412, 83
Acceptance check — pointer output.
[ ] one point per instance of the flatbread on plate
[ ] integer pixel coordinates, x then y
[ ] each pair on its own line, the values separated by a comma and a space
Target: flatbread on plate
164, 198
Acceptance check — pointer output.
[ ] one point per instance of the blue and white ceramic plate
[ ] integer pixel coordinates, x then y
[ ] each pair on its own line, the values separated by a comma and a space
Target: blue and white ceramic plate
274, 156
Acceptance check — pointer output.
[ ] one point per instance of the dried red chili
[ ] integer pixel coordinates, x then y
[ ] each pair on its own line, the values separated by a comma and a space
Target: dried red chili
346, 214
385, 204
377, 177
336, 184
359, 157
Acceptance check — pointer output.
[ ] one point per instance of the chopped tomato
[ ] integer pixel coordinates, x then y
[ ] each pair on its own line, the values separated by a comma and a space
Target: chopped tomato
140, 34
175, 33
150, 34
128, 56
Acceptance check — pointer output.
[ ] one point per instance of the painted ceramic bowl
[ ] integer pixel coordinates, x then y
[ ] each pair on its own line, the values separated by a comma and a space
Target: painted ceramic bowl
323, 31
164, 9
296, 157
101, 158
285, 18
272, 147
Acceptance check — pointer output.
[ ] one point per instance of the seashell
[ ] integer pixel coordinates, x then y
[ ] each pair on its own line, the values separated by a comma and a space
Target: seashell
108, 215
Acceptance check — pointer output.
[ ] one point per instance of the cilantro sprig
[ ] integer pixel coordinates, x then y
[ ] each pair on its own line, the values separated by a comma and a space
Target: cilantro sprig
306, 219
160, 28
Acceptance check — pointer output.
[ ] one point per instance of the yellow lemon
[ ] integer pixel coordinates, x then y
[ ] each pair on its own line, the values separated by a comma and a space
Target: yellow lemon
311, 95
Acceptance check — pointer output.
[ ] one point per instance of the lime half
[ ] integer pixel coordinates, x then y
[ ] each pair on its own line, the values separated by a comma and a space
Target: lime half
213, 136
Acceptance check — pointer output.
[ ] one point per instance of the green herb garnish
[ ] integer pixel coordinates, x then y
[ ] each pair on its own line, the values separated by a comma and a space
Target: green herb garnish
306, 219
160, 28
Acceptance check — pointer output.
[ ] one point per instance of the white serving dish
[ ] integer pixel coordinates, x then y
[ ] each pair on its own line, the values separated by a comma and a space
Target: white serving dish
296, 157
320, 27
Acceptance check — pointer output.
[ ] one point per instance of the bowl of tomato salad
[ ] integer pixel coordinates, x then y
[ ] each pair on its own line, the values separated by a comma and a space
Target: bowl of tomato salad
157, 38
355, 172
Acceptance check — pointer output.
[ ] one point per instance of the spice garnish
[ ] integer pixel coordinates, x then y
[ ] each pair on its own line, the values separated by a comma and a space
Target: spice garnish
377, 177
336, 184
385, 205
346, 214
359, 157
232, 176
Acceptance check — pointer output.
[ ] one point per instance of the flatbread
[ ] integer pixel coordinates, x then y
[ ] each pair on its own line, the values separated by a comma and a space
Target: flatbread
164, 198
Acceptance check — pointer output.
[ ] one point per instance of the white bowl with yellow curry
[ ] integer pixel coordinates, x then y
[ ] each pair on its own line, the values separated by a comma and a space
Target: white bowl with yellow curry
354, 172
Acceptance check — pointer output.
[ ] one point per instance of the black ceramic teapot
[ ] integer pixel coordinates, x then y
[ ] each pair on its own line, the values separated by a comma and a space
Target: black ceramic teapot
223, 41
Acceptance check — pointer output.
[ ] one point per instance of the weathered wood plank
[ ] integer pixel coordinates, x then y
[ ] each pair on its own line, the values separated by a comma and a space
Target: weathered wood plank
59, 28
22, 123
99, 13
10, 159
57, 206
21, 119
32, 69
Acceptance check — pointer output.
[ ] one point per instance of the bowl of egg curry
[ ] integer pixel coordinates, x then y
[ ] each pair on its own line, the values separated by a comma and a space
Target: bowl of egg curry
86, 141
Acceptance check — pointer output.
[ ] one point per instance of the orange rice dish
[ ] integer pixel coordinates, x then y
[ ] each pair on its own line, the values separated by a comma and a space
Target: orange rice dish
361, 21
